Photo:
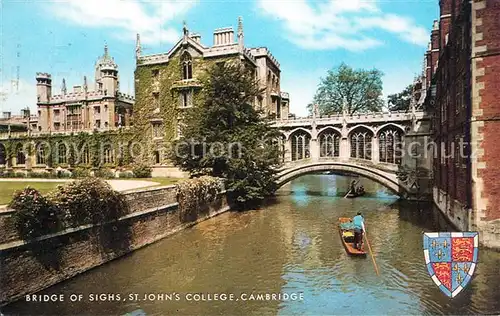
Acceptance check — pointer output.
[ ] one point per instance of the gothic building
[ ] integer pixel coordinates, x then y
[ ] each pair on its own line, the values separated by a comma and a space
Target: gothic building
84, 108
167, 83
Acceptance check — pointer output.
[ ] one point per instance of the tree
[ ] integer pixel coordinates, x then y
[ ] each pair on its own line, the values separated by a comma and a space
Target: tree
224, 136
360, 89
401, 101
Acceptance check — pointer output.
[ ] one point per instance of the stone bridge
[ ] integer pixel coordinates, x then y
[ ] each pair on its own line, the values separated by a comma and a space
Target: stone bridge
383, 147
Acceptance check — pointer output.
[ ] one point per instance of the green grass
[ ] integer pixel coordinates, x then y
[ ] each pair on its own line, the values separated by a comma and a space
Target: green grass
8, 188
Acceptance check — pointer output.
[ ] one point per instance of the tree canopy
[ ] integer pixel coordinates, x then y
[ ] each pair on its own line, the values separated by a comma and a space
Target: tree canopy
360, 89
401, 101
225, 136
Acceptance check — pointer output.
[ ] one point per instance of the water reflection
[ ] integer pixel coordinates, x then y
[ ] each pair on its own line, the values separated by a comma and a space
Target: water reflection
290, 246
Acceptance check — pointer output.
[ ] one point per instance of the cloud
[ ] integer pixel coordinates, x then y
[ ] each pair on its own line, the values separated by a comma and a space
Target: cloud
126, 18
347, 24
13, 99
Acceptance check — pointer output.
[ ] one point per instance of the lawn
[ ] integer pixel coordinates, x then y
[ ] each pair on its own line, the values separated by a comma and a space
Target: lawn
7, 188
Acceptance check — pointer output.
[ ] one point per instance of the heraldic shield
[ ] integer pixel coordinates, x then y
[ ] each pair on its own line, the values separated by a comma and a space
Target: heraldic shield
451, 259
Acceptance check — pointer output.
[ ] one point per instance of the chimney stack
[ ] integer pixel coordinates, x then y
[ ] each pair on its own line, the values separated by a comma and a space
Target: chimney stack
224, 36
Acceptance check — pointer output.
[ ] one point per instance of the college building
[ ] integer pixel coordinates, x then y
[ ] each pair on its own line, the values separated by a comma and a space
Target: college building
463, 92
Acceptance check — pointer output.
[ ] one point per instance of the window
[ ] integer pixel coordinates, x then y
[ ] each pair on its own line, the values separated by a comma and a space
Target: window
3, 155
106, 124
361, 142
20, 156
61, 153
157, 128
329, 142
186, 98
108, 154
41, 154
56, 113
300, 145
390, 145
187, 66
57, 126
97, 109
97, 123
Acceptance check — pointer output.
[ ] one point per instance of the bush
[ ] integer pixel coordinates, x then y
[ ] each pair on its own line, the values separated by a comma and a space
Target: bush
63, 174
104, 173
194, 195
42, 174
126, 174
90, 200
80, 173
36, 215
141, 170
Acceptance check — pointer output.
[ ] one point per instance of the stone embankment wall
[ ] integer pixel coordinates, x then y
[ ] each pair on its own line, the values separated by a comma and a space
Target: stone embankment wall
30, 267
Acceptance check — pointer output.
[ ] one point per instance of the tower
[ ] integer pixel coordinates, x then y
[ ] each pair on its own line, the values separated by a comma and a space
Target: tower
240, 33
106, 74
43, 87
138, 48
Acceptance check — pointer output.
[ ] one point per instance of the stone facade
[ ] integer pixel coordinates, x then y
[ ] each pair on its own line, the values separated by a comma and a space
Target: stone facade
101, 108
462, 68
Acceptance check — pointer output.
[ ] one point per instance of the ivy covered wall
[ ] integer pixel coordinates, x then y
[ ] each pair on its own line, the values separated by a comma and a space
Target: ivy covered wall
169, 82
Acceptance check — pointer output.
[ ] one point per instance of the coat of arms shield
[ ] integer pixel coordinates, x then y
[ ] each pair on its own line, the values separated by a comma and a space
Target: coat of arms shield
451, 259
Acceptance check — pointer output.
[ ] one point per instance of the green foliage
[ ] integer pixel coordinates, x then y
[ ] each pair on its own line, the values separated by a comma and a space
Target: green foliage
36, 215
195, 195
359, 89
40, 174
226, 137
125, 174
141, 170
90, 200
401, 101
80, 172
104, 173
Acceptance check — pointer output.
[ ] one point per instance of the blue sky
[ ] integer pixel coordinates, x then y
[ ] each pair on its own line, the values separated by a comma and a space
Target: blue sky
308, 37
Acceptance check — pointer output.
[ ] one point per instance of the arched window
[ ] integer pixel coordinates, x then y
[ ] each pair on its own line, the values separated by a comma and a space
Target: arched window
109, 156
3, 155
41, 154
20, 156
361, 144
390, 145
329, 142
62, 153
187, 66
300, 145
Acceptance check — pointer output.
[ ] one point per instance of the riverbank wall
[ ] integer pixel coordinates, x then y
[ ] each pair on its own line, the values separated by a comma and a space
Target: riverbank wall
153, 214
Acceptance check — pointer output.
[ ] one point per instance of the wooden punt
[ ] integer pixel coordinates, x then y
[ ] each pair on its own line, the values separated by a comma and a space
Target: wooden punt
347, 237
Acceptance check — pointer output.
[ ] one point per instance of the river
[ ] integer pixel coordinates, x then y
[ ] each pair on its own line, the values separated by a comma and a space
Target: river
291, 246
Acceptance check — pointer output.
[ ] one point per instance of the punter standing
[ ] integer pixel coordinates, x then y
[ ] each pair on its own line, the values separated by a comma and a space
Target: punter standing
359, 229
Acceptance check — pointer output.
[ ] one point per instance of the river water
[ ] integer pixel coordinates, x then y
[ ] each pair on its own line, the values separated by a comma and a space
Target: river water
291, 246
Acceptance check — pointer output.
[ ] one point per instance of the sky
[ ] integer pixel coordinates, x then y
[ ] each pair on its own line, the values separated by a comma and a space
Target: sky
308, 37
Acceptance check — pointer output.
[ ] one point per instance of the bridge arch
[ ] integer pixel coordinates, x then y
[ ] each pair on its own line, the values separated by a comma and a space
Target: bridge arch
387, 179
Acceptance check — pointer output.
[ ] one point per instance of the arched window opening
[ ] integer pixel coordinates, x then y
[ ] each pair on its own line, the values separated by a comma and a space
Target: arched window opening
390, 145
361, 144
109, 156
329, 143
300, 145
3, 155
20, 156
187, 66
62, 153
41, 154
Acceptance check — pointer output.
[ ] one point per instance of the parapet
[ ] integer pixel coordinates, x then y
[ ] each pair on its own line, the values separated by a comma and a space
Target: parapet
43, 75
